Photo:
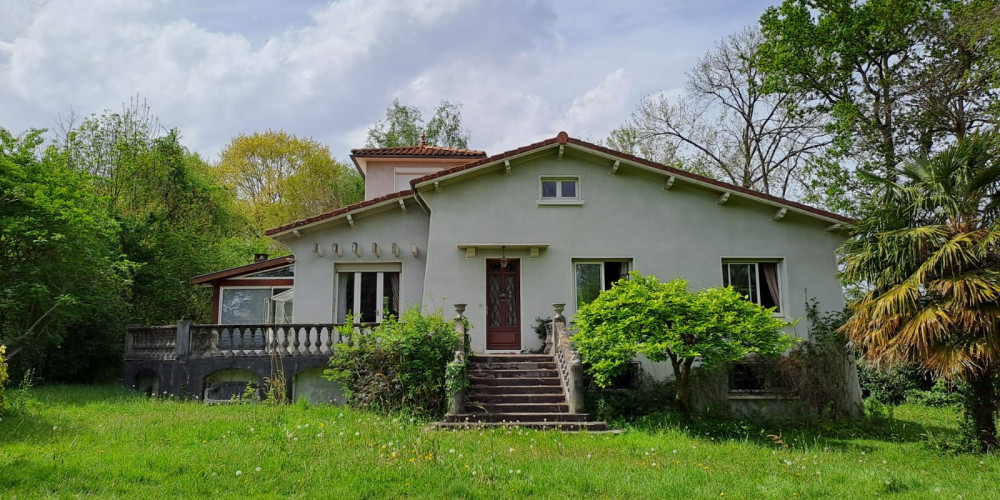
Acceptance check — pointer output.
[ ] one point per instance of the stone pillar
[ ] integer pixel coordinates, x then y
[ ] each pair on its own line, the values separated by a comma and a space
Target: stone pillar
550, 336
458, 399
460, 325
183, 339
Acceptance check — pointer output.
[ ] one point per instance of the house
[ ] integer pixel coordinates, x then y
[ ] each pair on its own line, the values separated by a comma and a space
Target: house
550, 223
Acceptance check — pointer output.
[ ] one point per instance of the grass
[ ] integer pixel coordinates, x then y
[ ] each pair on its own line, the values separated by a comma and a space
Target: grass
106, 442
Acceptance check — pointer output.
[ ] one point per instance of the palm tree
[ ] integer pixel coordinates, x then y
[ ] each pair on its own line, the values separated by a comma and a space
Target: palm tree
926, 256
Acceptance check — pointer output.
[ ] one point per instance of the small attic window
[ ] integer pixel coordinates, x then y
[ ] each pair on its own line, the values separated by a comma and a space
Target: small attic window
559, 191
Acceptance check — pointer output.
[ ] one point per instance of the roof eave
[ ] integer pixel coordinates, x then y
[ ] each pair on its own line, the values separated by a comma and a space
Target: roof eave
207, 279
297, 227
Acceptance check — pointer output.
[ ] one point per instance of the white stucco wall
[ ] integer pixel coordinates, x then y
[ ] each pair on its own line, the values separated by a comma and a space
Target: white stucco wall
315, 300
680, 232
380, 173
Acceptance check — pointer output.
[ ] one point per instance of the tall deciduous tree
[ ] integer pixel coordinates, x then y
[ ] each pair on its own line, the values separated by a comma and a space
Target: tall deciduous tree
278, 178
927, 251
63, 280
726, 127
666, 322
895, 77
404, 125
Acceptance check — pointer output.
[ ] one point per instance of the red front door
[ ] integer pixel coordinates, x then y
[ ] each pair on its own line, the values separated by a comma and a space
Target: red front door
503, 305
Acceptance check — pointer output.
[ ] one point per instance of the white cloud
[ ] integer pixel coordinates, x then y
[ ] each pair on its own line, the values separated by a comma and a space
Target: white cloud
600, 109
523, 69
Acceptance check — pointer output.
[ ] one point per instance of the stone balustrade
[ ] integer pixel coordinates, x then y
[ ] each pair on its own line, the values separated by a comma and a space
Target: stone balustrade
187, 340
568, 361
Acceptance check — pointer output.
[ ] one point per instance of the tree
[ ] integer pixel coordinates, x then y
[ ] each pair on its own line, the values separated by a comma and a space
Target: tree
175, 221
927, 252
727, 127
895, 77
404, 126
665, 321
63, 280
278, 177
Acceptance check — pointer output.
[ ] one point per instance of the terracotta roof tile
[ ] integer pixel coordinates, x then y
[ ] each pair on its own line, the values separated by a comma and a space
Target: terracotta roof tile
562, 138
418, 151
340, 211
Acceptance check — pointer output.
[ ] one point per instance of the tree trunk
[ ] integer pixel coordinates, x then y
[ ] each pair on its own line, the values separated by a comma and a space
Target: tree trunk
981, 407
682, 375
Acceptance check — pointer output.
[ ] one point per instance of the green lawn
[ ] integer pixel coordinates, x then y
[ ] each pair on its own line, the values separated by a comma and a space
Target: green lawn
107, 442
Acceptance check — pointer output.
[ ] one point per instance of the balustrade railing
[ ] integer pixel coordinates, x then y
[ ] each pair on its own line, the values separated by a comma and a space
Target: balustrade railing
154, 342
567, 361
200, 341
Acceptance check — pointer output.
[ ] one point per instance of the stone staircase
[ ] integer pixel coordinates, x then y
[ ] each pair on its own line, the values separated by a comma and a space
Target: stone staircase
522, 390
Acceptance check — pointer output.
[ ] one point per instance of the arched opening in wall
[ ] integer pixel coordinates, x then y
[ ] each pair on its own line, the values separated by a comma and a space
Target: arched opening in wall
232, 384
147, 382
312, 386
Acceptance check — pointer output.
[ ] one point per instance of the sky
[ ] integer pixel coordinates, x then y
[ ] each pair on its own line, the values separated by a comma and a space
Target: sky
523, 70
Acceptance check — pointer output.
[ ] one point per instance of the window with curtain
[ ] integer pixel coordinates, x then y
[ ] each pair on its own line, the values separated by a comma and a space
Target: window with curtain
757, 281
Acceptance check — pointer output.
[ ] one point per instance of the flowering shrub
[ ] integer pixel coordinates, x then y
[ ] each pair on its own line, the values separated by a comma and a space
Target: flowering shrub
400, 365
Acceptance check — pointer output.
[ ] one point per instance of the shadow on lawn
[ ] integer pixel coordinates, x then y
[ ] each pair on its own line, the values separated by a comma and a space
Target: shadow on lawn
848, 435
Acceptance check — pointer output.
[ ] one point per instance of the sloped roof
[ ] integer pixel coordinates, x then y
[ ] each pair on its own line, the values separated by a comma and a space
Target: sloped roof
340, 211
563, 138
420, 150
259, 266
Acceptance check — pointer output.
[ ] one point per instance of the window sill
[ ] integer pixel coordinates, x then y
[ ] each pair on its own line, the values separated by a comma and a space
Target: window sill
564, 203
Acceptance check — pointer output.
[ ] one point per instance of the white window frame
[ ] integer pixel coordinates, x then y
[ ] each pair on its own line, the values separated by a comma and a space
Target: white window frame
559, 199
778, 269
267, 308
358, 270
624, 260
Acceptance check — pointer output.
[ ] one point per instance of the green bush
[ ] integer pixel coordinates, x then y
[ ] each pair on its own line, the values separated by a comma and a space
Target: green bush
399, 365
889, 384
630, 404
942, 394
3, 377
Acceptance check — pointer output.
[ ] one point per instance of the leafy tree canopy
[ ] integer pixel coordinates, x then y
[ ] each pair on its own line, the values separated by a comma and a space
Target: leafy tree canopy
896, 77
278, 178
63, 281
667, 322
403, 126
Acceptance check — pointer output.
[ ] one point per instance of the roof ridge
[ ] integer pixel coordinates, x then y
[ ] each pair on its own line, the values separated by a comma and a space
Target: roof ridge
420, 149
563, 138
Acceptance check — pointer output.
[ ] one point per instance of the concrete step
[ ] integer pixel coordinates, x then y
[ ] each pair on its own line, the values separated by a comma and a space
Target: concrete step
515, 381
476, 373
501, 398
513, 418
480, 407
484, 390
564, 426
507, 358
524, 365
